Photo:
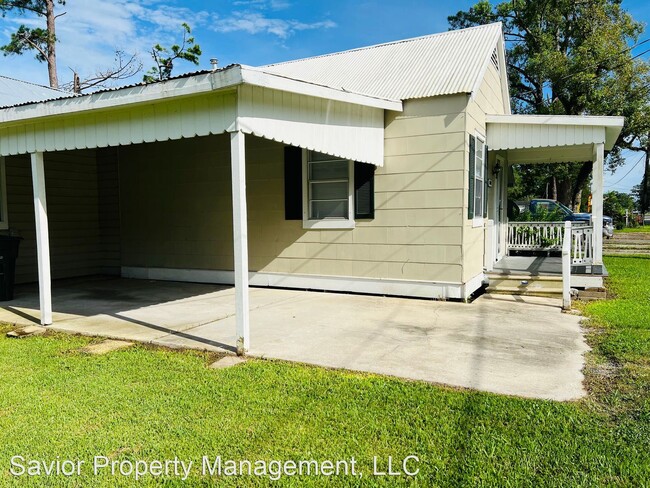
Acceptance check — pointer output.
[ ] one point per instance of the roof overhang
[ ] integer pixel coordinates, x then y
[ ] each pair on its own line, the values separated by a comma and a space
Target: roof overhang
551, 138
182, 87
236, 98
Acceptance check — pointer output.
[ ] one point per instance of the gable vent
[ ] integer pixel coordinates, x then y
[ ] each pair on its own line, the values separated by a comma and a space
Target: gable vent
495, 59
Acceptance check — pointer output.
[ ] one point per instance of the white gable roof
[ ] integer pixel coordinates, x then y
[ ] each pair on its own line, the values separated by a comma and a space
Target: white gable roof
439, 64
16, 92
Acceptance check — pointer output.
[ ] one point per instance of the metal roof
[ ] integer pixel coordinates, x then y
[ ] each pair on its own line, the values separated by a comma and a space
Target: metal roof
15, 92
439, 64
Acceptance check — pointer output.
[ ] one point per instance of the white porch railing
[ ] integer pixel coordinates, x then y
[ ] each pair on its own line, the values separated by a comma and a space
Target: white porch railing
582, 245
549, 236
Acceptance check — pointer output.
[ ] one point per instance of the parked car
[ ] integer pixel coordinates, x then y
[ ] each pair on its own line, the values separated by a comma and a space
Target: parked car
566, 213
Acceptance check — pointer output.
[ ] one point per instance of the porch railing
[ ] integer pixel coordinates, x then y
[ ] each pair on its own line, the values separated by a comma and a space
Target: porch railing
549, 236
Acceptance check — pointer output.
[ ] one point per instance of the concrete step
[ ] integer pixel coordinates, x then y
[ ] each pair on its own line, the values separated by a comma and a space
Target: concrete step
544, 286
511, 290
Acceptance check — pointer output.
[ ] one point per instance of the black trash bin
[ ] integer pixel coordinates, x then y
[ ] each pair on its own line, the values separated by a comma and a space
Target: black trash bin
8, 254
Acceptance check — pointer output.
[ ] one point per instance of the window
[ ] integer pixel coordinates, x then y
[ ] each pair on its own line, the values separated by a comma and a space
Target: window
477, 206
479, 178
327, 191
4, 220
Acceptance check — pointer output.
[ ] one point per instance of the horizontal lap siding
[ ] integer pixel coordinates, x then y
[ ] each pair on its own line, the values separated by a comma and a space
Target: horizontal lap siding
109, 209
176, 209
416, 232
72, 187
488, 100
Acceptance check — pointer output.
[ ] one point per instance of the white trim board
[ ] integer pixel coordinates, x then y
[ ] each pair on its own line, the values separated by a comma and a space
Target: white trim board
415, 289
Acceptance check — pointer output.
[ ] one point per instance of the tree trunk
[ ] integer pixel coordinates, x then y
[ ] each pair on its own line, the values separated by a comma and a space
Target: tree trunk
51, 44
564, 192
553, 188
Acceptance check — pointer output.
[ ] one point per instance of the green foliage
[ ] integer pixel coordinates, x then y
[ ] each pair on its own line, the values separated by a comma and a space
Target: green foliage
575, 58
29, 39
615, 204
164, 57
25, 38
542, 214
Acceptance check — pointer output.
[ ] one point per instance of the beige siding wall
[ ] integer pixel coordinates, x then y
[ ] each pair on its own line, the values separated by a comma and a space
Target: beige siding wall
488, 100
108, 196
73, 200
176, 207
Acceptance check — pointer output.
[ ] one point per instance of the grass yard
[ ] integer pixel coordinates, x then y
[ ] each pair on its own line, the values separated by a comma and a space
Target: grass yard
152, 404
643, 229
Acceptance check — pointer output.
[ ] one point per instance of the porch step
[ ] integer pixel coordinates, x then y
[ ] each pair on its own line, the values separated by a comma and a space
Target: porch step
544, 286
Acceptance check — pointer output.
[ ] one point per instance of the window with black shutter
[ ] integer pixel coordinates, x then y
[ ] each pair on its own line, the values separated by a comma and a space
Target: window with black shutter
292, 183
364, 191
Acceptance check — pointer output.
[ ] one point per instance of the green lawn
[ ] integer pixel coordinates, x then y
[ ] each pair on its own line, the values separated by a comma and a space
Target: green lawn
153, 404
642, 229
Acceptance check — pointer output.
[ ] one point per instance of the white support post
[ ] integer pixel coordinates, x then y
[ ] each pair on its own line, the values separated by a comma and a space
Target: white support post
597, 201
566, 266
240, 238
42, 238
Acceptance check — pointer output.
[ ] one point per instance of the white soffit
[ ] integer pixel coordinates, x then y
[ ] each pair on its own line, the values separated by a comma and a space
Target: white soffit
541, 131
332, 127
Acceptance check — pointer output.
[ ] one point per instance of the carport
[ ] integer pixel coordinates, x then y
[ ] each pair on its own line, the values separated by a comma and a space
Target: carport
236, 100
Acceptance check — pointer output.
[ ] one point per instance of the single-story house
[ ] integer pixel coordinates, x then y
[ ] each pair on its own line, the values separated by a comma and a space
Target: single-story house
376, 170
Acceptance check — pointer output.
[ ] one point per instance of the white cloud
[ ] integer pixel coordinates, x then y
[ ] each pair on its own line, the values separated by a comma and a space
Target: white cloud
255, 23
263, 4
92, 30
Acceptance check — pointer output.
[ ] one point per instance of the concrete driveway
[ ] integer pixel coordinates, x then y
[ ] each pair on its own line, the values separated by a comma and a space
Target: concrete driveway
502, 344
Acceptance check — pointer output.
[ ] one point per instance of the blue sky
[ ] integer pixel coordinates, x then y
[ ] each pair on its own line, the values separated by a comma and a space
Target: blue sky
253, 32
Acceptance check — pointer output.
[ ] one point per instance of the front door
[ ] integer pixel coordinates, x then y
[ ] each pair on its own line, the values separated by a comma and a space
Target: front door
498, 207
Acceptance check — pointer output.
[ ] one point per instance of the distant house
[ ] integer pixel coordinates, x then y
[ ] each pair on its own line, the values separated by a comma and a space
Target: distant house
376, 170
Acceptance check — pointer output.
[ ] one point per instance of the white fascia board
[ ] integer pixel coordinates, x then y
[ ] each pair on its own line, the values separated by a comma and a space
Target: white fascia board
260, 78
180, 87
612, 124
505, 85
135, 95
601, 120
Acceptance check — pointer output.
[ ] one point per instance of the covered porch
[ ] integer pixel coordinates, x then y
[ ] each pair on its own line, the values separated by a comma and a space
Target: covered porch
218, 113
533, 139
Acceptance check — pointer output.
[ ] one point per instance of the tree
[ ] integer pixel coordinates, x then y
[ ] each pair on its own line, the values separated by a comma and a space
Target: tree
43, 41
574, 58
618, 205
164, 57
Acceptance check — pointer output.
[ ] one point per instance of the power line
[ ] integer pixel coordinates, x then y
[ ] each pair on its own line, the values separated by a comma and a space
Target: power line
626, 174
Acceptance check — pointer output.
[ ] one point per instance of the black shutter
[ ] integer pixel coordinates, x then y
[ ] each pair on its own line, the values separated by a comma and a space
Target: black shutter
485, 179
364, 191
472, 163
292, 183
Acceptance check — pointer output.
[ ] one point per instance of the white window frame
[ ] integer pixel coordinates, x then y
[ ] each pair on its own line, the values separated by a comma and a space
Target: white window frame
332, 223
477, 221
4, 211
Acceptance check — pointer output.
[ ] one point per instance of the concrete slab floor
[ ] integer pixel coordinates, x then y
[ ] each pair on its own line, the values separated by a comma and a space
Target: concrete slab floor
520, 346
